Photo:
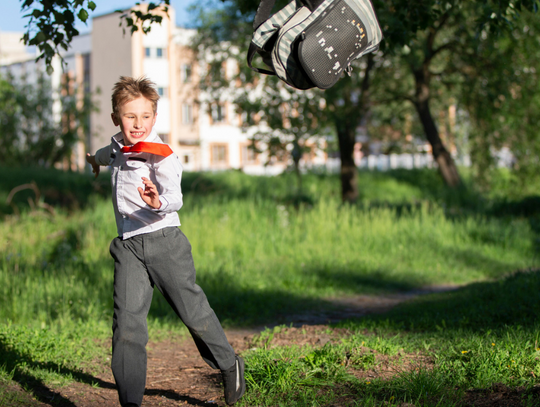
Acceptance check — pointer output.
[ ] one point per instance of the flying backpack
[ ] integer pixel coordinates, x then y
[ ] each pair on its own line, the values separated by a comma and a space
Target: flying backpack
309, 43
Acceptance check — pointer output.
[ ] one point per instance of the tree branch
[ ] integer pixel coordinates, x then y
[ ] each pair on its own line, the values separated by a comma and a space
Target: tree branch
448, 46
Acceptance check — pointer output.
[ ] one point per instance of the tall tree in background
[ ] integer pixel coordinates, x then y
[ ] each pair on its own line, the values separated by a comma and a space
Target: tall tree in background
298, 115
348, 103
424, 49
420, 32
425, 57
415, 25
501, 90
490, 77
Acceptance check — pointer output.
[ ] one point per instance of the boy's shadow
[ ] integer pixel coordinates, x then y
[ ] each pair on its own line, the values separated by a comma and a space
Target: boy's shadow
12, 361
173, 395
213, 379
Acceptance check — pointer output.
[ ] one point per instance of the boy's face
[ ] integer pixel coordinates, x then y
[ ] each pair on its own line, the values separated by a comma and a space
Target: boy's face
136, 119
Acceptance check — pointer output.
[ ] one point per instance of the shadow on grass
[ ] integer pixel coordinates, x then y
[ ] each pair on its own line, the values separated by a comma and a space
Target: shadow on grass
473, 260
243, 306
427, 180
75, 190
235, 184
57, 188
478, 307
21, 365
237, 306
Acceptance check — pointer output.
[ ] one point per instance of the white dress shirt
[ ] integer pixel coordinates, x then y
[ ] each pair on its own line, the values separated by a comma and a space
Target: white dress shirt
133, 215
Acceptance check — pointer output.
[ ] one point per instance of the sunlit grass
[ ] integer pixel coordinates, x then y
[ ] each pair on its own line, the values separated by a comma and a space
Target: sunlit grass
56, 270
466, 339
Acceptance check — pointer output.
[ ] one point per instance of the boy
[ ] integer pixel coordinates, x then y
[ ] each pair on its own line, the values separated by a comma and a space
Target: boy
150, 248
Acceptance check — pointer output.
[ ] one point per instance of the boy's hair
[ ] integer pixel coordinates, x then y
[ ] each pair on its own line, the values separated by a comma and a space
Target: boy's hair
128, 89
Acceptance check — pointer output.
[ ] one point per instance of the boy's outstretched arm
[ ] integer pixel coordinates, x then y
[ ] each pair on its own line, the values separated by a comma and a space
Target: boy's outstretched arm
102, 157
91, 159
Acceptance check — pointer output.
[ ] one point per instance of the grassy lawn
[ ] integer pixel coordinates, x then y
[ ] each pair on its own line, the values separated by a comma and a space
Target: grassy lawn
261, 252
436, 348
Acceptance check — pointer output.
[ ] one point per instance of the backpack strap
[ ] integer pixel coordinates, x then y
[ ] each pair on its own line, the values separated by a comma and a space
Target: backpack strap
263, 13
252, 50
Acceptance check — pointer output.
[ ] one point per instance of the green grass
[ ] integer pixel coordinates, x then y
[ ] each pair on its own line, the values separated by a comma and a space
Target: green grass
482, 334
260, 256
256, 259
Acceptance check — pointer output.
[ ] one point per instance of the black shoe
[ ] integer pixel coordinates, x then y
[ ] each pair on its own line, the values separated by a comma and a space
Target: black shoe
234, 382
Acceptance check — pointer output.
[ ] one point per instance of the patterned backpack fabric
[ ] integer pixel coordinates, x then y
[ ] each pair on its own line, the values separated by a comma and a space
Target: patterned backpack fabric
309, 43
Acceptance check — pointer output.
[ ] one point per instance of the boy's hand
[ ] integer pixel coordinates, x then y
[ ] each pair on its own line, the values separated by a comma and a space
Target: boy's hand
91, 159
150, 194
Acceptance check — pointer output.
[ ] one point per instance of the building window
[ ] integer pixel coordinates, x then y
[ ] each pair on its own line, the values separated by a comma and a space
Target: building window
162, 92
186, 73
219, 154
160, 53
164, 137
147, 52
247, 154
186, 159
187, 114
218, 113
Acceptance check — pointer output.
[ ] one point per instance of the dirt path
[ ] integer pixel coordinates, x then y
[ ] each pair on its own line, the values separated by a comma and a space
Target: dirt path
177, 376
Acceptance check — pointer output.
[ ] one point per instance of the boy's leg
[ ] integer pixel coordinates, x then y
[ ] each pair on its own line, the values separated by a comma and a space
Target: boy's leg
132, 298
170, 264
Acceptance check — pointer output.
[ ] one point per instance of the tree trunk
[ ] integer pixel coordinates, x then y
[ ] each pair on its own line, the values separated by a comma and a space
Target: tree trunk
346, 122
296, 155
447, 166
349, 175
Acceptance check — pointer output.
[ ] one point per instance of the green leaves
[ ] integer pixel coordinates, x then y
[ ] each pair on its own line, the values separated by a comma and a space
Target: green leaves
51, 25
83, 15
39, 38
136, 19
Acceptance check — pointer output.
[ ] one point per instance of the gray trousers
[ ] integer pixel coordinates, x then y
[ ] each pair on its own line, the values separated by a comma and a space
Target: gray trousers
162, 258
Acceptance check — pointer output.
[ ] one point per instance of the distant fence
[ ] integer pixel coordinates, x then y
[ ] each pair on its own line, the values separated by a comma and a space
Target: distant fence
381, 162
385, 162
373, 162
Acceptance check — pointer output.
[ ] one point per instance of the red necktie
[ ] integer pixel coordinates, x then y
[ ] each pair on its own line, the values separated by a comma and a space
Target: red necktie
145, 147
